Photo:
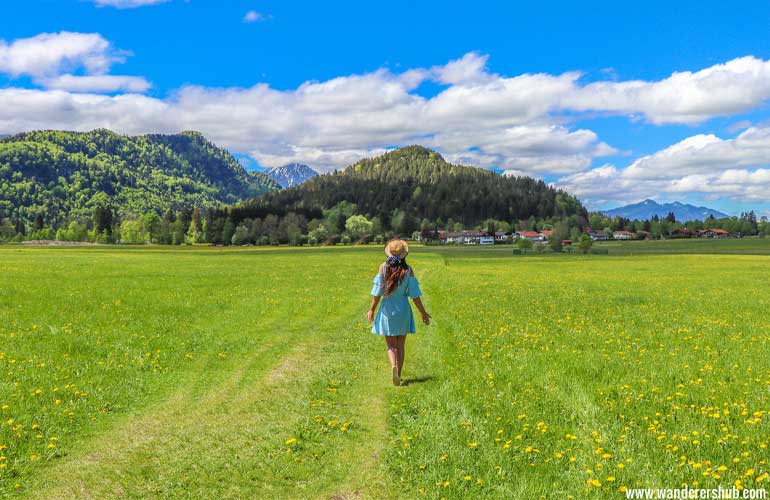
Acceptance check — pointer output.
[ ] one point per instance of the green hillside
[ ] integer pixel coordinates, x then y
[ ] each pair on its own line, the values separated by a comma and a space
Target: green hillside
422, 185
65, 175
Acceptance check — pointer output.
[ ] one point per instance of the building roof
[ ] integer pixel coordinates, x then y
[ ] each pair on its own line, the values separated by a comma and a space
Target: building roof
528, 234
467, 234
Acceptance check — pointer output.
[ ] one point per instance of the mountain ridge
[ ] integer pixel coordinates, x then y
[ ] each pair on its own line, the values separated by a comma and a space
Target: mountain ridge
648, 208
64, 175
291, 174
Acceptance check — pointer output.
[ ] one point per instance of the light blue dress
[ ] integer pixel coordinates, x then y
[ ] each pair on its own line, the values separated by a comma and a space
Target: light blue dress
395, 315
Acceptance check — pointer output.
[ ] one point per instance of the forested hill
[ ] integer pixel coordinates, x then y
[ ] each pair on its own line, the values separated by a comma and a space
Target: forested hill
65, 175
419, 183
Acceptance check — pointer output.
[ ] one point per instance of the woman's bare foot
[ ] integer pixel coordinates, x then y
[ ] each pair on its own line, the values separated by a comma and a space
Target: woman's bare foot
395, 377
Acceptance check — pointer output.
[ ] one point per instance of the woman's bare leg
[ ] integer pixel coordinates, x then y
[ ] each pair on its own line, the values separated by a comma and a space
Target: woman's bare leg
392, 343
401, 344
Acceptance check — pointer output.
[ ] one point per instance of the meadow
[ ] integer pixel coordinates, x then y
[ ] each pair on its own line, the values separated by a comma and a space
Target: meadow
250, 373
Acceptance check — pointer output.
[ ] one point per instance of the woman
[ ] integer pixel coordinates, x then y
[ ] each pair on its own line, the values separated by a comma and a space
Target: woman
393, 286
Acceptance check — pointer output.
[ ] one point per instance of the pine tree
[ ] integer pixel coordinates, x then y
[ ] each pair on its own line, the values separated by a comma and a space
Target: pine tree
39, 222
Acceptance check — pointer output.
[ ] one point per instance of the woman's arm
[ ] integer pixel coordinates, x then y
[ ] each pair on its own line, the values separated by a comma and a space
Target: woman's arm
421, 308
375, 298
370, 312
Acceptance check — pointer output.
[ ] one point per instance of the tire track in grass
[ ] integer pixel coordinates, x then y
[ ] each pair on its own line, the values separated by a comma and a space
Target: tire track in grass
97, 464
98, 469
371, 476
365, 477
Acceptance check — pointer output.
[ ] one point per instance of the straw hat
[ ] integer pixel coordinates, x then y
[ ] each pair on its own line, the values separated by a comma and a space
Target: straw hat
397, 248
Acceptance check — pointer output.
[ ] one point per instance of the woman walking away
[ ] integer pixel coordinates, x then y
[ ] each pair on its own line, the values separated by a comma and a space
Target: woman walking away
393, 286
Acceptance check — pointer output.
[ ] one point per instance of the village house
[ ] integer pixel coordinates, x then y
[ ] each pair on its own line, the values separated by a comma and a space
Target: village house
469, 237
530, 235
598, 235
487, 239
502, 236
713, 233
427, 235
623, 235
546, 234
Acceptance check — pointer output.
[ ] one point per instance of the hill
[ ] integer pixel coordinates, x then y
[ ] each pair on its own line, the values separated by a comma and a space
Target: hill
292, 174
415, 183
649, 208
64, 175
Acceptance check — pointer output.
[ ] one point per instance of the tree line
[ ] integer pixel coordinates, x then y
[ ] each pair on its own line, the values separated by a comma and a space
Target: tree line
342, 223
747, 224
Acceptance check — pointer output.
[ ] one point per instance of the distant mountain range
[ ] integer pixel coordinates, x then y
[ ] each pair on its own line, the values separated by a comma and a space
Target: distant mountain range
649, 208
291, 175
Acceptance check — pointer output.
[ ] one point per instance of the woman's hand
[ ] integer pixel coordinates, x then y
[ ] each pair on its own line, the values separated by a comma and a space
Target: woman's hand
370, 312
426, 318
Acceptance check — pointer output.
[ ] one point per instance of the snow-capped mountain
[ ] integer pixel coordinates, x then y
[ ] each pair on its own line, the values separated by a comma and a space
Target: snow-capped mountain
648, 208
292, 174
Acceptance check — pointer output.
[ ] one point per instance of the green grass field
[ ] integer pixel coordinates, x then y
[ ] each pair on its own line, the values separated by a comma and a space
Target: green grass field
250, 373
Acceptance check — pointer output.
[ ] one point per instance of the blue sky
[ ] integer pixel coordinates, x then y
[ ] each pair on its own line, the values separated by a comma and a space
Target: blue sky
572, 92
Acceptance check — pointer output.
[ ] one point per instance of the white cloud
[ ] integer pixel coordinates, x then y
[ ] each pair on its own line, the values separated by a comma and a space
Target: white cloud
469, 69
127, 4
327, 124
51, 53
606, 184
50, 57
702, 164
27, 109
253, 16
747, 185
705, 153
535, 148
684, 97
98, 83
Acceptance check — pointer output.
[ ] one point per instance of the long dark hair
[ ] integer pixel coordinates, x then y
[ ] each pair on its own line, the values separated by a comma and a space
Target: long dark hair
395, 272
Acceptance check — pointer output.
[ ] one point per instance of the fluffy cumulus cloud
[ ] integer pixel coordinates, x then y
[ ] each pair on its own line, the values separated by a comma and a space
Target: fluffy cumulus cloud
733, 168
522, 124
478, 118
127, 4
50, 57
684, 97
51, 53
471, 68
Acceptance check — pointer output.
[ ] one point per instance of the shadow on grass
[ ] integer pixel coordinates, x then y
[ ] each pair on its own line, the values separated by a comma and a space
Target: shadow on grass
417, 380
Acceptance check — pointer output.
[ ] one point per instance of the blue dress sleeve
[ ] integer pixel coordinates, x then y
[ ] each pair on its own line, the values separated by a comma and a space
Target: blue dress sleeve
413, 288
377, 287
